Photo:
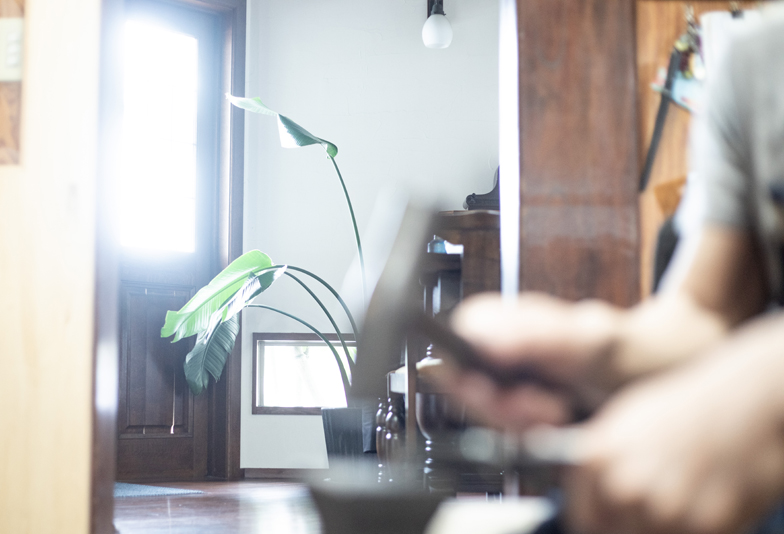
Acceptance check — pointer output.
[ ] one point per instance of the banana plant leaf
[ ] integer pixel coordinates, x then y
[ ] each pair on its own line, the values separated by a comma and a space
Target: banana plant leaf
252, 288
208, 356
292, 135
195, 316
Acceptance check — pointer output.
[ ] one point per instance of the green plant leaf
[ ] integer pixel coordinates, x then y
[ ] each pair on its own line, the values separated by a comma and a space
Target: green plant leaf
209, 356
194, 317
252, 288
251, 104
292, 135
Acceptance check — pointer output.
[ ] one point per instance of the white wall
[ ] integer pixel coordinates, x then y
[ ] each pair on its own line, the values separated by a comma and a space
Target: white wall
403, 116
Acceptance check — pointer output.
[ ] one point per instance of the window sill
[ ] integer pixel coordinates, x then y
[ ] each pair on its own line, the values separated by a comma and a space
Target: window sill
280, 410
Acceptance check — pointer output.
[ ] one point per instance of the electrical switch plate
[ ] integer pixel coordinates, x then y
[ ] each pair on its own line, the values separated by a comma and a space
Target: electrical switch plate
11, 41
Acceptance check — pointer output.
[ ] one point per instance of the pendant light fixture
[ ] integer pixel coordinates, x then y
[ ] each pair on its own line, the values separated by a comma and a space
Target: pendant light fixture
437, 32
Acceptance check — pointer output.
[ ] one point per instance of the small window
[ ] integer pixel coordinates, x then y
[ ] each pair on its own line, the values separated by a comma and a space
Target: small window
297, 373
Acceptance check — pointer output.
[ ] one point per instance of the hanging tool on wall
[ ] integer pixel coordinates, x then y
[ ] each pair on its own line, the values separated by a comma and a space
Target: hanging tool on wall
686, 61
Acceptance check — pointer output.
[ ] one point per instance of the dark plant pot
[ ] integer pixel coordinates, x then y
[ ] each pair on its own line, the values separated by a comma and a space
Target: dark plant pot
343, 433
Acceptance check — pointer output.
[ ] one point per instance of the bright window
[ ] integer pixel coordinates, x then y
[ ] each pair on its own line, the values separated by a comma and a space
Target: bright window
158, 170
297, 375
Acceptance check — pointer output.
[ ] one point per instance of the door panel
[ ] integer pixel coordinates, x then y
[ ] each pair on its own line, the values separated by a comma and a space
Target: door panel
153, 390
161, 426
155, 458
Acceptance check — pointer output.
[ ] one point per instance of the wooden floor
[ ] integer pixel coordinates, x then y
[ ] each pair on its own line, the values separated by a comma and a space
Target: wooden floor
224, 507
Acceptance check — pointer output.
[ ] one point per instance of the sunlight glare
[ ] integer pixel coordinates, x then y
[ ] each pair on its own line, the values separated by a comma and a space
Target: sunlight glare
158, 174
300, 374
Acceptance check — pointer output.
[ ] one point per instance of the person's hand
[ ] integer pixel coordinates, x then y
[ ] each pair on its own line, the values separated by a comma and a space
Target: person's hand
698, 450
564, 344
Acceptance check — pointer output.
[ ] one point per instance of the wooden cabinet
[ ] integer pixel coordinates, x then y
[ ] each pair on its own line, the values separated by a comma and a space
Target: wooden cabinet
477, 231
446, 279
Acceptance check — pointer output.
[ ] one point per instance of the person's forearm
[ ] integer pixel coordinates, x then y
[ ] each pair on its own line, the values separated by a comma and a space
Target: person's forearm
660, 333
722, 285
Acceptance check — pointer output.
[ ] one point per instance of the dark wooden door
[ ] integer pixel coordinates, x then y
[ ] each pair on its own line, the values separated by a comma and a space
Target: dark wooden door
170, 145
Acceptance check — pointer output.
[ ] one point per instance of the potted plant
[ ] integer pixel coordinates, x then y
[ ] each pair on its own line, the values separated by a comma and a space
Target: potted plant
212, 314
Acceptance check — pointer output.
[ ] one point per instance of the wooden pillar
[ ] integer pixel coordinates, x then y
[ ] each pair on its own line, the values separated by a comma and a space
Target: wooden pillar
47, 274
578, 149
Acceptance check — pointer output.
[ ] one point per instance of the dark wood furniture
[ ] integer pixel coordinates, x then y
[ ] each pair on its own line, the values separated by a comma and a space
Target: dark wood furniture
478, 232
445, 279
448, 278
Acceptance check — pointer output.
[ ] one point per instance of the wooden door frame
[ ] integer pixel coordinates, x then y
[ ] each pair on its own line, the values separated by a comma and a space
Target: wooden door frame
224, 397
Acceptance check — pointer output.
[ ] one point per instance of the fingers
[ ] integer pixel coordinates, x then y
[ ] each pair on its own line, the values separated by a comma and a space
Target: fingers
564, 342
617, 486
514, 408
504, 330
639, 474
604, 500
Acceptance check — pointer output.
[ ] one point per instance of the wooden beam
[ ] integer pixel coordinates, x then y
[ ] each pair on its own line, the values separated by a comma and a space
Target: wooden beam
578, 145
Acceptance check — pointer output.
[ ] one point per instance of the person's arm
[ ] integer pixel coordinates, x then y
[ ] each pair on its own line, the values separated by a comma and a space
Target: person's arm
699, 449
723, 286
591, 348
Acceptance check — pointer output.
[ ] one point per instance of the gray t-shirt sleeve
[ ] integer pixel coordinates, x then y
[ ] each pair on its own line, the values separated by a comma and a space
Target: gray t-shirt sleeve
720, 149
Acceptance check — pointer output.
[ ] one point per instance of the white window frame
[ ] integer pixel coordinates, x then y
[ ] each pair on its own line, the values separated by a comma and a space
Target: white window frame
258, 368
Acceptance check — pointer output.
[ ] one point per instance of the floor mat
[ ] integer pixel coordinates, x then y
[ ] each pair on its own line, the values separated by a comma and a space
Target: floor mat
123, 489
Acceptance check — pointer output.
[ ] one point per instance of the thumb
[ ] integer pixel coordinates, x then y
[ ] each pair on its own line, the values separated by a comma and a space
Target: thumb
557, 445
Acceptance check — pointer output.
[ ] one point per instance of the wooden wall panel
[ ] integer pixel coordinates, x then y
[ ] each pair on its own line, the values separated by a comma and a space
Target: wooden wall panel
579, 160
659, 23
47, 260
10, 98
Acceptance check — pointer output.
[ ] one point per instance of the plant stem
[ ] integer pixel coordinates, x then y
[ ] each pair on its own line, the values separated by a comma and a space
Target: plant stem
323, 282
331, 320
331, 290
356, 229
343, 375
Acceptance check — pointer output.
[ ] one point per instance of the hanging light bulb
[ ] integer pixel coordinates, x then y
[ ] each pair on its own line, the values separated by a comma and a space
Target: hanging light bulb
437, 32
